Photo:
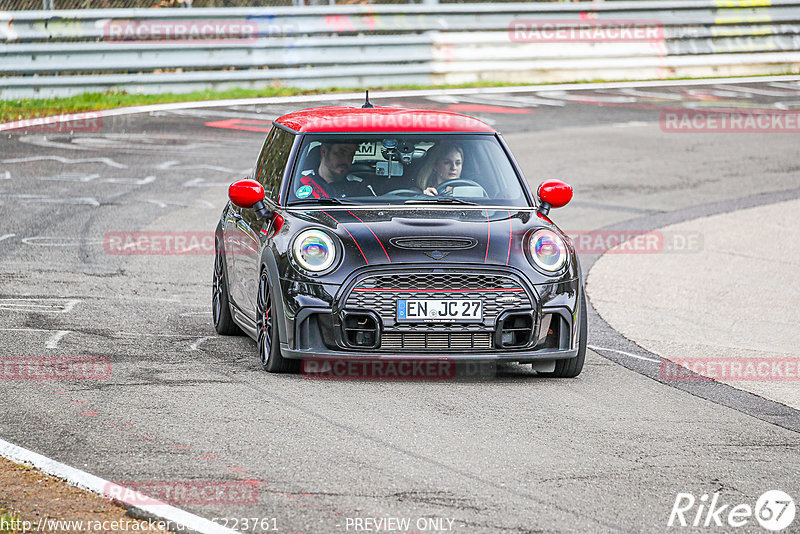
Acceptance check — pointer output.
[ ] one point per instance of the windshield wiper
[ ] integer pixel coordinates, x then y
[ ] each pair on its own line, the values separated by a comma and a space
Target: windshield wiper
440, 200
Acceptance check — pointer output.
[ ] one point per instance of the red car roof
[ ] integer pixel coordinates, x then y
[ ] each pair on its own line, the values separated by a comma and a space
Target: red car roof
343, 119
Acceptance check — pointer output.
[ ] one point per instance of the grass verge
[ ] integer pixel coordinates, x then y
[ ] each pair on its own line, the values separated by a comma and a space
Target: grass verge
30, 499
26, 108
9, 522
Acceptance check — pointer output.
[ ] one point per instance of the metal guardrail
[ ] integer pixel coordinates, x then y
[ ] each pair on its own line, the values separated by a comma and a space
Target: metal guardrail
47, 53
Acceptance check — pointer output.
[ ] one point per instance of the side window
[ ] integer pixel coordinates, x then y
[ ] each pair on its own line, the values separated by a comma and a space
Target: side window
272, 161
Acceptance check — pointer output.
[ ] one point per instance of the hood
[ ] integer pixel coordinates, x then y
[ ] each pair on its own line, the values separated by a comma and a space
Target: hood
437, 235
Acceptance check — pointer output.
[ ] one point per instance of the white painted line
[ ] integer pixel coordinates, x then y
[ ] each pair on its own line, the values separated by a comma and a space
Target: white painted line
52, 343
173, 298
104, 488
167, 164
131, 181
652, 94
38, 305
645, 358
4, 237
787, 105
165, 203
44, 199
107, 161
137, 334
760, 91
70, 177
794, 87
593, 98
70, 304
199, 182
15, 125
196, 344
61, 241
6, 176
631, 124
176, 165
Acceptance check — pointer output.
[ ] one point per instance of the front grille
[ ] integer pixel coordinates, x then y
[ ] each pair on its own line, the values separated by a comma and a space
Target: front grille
380, 292
436, 340
441, 281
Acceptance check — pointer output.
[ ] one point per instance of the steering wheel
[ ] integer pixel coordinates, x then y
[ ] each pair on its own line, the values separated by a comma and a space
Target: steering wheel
404, 193
442, 187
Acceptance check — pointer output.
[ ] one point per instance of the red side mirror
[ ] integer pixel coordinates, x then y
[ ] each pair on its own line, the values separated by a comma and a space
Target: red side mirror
553, 193
245, 193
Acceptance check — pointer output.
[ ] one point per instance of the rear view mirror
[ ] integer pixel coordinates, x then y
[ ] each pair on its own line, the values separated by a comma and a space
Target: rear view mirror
249, 194
553, 194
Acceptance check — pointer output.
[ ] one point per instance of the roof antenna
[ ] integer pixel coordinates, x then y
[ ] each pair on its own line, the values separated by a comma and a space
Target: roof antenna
366, 102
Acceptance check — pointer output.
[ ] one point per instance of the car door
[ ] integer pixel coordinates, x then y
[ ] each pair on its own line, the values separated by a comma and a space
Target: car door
232, 245
269, 173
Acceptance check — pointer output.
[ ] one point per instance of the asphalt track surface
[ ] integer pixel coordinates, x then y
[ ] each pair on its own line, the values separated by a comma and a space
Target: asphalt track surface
507, 452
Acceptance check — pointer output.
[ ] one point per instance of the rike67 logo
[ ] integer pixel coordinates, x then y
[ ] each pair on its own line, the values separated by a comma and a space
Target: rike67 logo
774, 510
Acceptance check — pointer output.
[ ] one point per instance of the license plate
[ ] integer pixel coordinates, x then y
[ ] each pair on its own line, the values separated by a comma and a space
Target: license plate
439, 310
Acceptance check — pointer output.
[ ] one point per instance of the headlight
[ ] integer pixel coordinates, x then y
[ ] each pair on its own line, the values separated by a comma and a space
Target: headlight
548, 250
314, 250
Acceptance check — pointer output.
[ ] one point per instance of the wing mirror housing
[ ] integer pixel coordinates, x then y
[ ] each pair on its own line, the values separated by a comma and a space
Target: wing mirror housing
249, 194
553, 194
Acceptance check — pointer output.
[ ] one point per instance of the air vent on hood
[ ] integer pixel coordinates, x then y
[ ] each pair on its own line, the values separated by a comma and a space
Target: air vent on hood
433, 243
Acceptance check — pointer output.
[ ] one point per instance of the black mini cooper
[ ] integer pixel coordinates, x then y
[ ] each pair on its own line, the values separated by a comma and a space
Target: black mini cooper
386, 233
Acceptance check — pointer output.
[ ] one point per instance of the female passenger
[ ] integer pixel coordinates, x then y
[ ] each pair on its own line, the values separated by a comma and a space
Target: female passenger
443, 163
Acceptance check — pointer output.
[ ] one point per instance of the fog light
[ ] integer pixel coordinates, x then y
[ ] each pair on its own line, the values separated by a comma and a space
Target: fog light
514, 330
366, 339
360, 330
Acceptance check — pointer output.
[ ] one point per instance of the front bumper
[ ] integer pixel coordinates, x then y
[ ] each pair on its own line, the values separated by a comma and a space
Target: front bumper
521, 357
548, 313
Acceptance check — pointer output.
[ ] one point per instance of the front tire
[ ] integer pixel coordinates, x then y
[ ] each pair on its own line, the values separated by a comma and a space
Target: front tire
269, 346
572, 367
220, 300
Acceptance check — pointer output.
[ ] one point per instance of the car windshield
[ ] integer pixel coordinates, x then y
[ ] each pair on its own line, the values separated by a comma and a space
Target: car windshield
405, 169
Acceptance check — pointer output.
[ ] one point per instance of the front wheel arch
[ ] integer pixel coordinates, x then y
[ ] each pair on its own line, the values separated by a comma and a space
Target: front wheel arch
270, 264
268, 322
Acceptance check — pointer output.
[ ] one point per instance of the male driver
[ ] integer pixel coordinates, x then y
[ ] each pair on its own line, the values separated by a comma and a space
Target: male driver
332, 178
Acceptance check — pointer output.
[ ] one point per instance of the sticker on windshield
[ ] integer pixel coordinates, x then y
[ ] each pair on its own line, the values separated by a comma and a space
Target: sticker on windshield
367, 149
304, 191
